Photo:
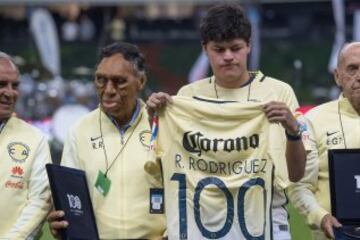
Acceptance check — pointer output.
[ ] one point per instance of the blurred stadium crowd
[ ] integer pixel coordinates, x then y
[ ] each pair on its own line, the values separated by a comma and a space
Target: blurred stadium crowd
56, 47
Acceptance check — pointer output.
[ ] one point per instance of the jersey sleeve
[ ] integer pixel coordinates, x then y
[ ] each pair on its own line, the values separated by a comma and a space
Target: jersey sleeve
302, 193
38, 203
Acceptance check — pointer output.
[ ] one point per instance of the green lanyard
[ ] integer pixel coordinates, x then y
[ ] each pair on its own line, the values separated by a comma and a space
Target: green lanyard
103, 183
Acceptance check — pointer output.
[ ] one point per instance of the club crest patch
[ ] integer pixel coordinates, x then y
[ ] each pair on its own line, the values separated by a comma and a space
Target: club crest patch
18, 151
144, 138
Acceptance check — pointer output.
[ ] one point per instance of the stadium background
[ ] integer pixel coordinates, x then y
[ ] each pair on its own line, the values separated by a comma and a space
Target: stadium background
294, 42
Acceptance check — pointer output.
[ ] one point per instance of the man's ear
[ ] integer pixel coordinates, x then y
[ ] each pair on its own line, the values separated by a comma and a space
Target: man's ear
337, 77
142, 82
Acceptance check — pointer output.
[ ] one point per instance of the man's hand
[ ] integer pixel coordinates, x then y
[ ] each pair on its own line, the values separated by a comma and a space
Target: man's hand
327, 224
156, 101
278, 112
56, 224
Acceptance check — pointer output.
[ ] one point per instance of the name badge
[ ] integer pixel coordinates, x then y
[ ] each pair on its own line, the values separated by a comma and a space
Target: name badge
102, 183
156, 200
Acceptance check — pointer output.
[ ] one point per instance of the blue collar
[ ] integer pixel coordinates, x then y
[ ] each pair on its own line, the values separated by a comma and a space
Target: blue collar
134, 116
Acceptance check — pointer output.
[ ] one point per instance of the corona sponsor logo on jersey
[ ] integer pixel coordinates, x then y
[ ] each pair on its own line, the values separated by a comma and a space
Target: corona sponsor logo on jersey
18, 151
196, 142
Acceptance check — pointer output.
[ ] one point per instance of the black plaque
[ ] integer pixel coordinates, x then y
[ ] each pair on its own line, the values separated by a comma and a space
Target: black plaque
71, 194
344, 175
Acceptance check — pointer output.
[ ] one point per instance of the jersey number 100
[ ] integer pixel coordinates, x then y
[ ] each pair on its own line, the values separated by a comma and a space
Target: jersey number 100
181, 178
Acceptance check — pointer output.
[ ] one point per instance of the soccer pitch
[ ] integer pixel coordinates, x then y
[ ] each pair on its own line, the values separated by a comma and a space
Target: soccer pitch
299, 230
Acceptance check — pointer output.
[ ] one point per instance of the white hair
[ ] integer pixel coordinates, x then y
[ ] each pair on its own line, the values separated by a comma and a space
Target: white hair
7, 57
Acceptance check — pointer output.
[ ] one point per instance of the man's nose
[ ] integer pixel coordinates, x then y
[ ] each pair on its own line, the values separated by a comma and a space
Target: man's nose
356, 76
228, 55
110, 87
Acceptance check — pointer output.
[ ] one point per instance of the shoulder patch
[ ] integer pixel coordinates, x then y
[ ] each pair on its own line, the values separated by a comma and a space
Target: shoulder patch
145, 137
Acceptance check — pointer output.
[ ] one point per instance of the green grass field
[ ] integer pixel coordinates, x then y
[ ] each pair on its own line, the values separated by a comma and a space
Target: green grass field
299, 230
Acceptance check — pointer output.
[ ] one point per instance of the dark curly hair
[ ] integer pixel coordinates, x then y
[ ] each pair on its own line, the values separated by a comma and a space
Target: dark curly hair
225, 22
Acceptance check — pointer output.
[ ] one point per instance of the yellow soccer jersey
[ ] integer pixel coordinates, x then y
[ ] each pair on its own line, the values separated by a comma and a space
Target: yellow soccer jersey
24, 189
124, 213
216, 170
261, 89
333, 125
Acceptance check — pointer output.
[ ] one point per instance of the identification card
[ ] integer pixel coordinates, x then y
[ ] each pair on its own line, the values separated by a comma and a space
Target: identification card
102, 183
156, 200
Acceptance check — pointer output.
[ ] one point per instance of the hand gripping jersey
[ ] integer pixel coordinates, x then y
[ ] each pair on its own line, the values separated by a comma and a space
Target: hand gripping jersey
260, 89
216, 170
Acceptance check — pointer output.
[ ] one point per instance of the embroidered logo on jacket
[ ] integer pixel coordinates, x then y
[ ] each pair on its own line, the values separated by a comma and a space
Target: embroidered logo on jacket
18, 151
333, 138
144, 138
96, 142
14, 185
17, 172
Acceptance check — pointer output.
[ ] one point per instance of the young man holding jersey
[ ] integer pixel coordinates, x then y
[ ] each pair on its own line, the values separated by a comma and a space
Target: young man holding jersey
225, 34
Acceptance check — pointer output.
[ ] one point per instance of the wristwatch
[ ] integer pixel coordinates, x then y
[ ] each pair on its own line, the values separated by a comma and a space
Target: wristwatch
296, 136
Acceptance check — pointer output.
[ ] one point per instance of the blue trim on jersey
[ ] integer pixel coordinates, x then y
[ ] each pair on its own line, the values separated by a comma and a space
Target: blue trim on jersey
212, 101
271, 203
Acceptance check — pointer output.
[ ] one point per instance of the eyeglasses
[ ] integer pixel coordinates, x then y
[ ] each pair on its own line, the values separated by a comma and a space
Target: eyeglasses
117, 82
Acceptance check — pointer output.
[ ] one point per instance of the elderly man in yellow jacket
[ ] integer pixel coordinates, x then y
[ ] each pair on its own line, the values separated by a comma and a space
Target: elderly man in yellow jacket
333, 125
24, 151
111, 145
